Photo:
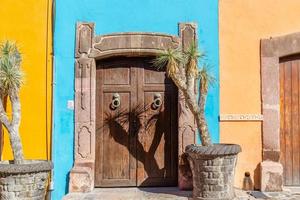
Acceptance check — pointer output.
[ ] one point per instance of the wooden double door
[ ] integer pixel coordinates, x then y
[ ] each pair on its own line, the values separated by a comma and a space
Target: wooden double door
136, 122
290, 119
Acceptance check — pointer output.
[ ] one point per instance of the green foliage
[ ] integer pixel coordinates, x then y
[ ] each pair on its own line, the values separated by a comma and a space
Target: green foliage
193, 52
205, 78
171, 59
191, 55
174, 58
11, 76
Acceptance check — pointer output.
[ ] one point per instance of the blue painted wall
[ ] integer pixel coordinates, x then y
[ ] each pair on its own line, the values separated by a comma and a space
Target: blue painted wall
121, 16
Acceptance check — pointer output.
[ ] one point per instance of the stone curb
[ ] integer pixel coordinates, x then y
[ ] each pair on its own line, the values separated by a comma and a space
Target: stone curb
29, 166
214, 150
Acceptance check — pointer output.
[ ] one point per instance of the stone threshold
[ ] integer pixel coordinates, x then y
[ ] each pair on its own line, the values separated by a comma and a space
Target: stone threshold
133, 193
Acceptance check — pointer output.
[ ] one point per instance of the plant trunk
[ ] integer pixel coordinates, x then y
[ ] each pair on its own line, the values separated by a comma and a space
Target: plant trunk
15, 139
198, 111
16, 145
13, 126
201, 118
3, 100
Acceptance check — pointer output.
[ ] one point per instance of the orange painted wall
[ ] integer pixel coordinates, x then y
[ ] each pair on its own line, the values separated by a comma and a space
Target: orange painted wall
28, 23
242, 24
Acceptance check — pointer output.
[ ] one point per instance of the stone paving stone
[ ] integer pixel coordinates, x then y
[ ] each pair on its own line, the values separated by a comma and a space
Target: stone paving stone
166, 194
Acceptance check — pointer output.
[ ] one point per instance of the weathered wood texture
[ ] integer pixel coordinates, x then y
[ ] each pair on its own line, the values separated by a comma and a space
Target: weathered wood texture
289, 115
136, 143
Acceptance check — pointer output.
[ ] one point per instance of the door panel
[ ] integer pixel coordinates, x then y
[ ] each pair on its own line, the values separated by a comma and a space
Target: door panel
117, 76
136, 142
158, 139
115, 142
289, 114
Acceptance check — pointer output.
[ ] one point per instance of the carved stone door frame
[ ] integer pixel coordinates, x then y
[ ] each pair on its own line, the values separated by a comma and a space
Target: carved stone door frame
272, 49
90, 48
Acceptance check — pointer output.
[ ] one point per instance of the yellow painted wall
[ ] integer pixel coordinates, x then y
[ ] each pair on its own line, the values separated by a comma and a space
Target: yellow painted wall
29, 24
242, 24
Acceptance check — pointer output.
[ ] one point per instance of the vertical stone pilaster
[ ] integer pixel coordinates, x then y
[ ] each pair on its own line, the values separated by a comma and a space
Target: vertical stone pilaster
271, 108
187, 127
270, 168
82, 174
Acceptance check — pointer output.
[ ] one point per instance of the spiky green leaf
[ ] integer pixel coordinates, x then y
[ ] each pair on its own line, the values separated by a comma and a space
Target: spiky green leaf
11, 76
205, 77
193, 53
171, 59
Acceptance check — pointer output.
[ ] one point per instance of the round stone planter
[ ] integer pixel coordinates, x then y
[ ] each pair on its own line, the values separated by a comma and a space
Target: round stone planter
24, 181
213, 170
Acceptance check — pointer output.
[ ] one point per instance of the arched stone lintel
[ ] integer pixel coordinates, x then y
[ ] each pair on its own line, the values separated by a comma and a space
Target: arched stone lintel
132, 44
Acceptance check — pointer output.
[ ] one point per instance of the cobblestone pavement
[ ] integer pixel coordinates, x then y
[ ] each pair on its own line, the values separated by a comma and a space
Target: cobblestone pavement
285, 195
167, 194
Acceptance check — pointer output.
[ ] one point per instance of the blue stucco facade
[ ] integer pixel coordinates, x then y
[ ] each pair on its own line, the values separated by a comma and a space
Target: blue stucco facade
121, 16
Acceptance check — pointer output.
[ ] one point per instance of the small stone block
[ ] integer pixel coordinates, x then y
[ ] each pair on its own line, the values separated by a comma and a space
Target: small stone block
271, 176
7, 180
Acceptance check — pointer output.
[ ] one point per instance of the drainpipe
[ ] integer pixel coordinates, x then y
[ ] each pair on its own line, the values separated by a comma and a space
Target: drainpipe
51, 184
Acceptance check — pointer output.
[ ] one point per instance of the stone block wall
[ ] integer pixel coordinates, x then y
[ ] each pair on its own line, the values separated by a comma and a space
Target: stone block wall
23, 186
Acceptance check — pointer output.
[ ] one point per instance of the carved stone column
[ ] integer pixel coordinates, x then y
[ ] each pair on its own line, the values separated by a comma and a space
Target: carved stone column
187, 127
82, 174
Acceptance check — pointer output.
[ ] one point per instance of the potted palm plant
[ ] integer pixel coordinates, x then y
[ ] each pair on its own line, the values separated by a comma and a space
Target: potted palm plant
20, 178
212, 165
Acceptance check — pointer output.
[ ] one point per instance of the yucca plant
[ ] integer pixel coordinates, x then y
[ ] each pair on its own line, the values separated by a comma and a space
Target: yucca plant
11, 78
182, 68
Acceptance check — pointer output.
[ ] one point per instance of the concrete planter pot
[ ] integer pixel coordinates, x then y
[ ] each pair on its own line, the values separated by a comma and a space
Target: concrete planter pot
24, 181
213, 170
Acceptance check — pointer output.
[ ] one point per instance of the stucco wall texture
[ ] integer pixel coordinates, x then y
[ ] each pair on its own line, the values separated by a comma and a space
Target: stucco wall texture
241, 26
120, 16
28, 23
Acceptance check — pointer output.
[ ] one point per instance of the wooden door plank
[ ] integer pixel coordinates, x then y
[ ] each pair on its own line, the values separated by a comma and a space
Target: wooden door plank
288, 124
99, 126
116, 152
158, 153
290, 119
141, 159
298, 131
295, 125
282, 118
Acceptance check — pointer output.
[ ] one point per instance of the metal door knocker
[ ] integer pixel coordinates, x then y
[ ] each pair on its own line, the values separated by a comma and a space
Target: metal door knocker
116, 102
157, 101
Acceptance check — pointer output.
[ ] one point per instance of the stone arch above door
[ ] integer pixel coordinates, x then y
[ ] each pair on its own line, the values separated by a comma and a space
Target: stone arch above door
90, 48
272, 50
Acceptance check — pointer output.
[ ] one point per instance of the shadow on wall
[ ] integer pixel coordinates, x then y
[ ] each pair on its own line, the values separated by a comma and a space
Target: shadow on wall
67, 181
129, 124
257, 177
